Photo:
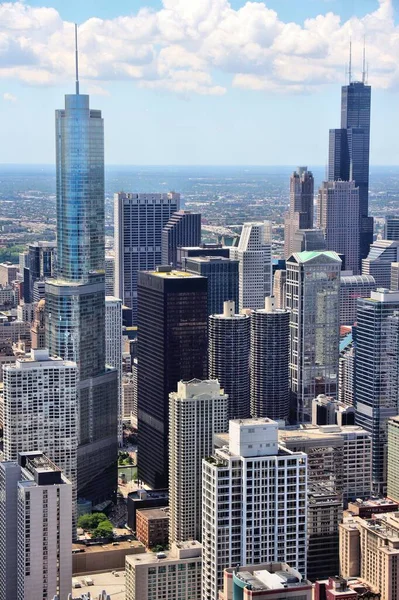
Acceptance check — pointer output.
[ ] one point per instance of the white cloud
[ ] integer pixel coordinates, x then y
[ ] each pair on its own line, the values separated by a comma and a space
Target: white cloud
184, 46
9, 97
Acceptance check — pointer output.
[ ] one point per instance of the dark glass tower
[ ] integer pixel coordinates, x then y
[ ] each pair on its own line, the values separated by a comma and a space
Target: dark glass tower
172, 345
75, 299
349, 152
182, 229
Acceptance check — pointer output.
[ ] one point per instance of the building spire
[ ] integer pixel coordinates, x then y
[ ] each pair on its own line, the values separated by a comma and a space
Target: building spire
350, 61
76, 60
364, 73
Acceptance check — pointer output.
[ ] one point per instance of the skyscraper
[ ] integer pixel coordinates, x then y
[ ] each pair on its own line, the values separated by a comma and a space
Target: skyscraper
182, 229
113, 347
394, 277
308, 240
229, 352
41, 265
377, 373
109, 275
392, 228
313, 281
270, 388
75, 300
38, 330
222, 276
349, 151
353, 287
254, 253
197, 411
279, 287
172, 346
300, 214
338, 217
379, 260
254, 505
139, 222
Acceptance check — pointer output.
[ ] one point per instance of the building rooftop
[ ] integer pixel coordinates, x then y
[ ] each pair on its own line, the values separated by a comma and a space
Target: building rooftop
113, 584
268, 576
307, 256
154, 513
191, 549
318, 432
168, 273
112, 547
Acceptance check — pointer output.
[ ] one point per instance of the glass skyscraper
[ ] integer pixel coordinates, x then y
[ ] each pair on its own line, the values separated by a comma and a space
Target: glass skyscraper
349, 152
75, 299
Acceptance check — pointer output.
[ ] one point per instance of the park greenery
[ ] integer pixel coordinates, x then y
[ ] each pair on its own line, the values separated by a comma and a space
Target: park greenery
97, 524
125, 459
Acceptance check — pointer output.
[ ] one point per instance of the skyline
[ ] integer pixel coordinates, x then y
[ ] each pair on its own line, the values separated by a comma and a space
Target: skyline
196, 92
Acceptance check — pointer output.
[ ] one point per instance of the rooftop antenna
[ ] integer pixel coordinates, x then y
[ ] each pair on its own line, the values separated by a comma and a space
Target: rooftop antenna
364, 73
350, 61
76, 60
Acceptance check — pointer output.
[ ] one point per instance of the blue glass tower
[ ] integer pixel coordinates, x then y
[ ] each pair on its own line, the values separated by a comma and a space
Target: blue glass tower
75, 299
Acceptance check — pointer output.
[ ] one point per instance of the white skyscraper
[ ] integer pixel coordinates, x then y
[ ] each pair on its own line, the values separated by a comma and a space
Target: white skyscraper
379, 260
109, 275
197, 411
353, 287
254, 253
113, 347
254, 503
313, 282
35, 529
40, 410
139, 221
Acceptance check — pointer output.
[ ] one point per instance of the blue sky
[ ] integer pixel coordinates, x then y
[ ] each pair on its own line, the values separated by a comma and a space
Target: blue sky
198, 81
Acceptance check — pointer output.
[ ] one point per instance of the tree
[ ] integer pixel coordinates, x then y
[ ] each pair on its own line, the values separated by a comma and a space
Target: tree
90, 522
104, 530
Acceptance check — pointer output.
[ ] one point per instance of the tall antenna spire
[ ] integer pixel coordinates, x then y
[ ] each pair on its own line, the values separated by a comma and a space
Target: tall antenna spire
76, 60
364, 61
350, 61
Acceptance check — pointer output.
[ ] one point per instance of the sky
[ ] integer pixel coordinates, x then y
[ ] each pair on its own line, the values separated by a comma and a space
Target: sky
198, 82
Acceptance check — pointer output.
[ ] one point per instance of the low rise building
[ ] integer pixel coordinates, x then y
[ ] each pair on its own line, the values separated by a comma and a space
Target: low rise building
97, 558
373, 506
144, 499
168, 575
338, 588
152, 526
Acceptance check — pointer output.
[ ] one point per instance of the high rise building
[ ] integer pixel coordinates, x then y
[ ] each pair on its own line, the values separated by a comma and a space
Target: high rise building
308, 240
40, 264
8, 273
254, 254
391, 228
222, 275
313, 281
40, 408
254, 504
184, 252
182, 229
38, 329
279, 288
378, 263
113, 347
394, 277
377, 373
353, 287
301, 210
346, 388
338, 217
349, 151
229, 357
172, 346
75, 300
139, 221
197, 411
393, 459
35, 529
270, 351
109, 275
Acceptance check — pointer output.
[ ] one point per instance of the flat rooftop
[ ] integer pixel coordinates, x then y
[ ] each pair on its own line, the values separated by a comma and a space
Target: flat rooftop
174, 274
113, 585
94, 549
316, 432
154, 513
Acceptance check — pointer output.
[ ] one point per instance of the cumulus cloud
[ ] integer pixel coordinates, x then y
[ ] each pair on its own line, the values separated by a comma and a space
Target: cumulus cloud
9, 97
186, 45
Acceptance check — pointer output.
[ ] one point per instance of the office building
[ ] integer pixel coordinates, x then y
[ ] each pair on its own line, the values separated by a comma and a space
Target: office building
109, 275
40, 265
346, 371
254, 254
172, 346
142, 499
377, 373
152, 527
197, 411
229, 357
38, 329
353, 287
308, 240
391, 231
139, 221
338, 217
330, 411
394, 277
40, 410
276, 581
313, 282
301, 210
202, 249
337, 587
171, 575
222, 275
254, 503
369, 550
182, 229
113, 347
39, 291
35, 529
338, 455
279, 288
75, 299
349, 152
393, 459
378, 262
129, 397
8, 273
270, 386
324, 517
